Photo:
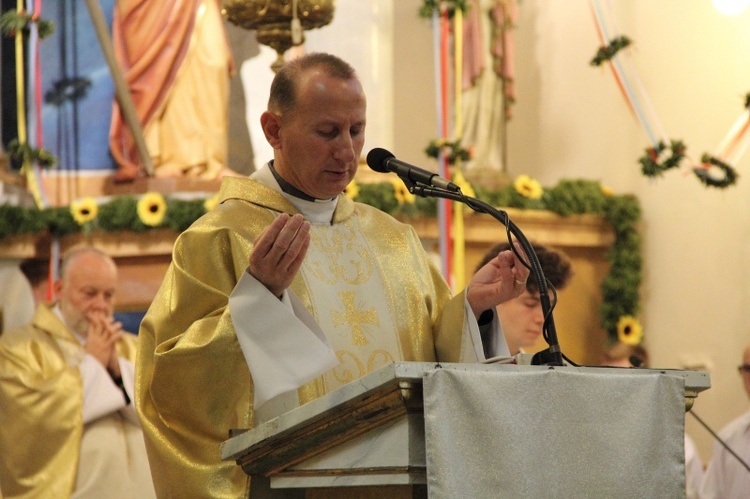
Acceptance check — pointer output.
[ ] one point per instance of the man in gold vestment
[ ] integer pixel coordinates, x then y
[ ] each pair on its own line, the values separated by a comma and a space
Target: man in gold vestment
288, 290
69, 428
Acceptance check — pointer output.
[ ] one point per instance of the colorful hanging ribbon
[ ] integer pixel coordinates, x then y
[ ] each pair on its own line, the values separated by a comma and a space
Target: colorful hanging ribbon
459, 242
33, 183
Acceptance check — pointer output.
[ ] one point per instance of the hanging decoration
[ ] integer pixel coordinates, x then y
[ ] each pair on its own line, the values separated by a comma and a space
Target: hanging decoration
20, 21
452, 149
713, 170
605, 54
27, 27
450, 6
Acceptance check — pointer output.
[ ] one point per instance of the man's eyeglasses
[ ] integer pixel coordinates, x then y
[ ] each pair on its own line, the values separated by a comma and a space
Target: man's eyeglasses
744, 369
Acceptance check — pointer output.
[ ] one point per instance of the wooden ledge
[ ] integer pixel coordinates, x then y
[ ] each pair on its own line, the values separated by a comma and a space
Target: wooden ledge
539, 226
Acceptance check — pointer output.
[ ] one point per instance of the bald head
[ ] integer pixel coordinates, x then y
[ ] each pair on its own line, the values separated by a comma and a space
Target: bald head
86, 287
285, 85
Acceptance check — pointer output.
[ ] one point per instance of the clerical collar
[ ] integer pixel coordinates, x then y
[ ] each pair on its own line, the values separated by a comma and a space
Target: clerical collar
287, 187
317, 212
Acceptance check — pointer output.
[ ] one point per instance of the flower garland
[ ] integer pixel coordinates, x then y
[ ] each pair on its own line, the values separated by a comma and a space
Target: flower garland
452, 150
19, 20
607, 52
731, 148
23, 153
620, 296
650, 164
704, 175
429, 6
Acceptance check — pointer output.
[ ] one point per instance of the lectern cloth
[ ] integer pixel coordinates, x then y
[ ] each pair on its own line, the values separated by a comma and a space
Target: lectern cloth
554, 433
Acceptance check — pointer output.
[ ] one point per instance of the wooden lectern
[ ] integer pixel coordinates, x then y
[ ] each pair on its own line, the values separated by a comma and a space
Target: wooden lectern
393, 432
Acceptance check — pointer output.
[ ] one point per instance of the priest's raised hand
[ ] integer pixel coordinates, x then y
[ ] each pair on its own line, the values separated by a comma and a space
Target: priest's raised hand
501, 279
278, 252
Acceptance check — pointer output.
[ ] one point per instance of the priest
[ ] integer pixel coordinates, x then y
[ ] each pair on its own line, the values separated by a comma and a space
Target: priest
288, 290
69, 428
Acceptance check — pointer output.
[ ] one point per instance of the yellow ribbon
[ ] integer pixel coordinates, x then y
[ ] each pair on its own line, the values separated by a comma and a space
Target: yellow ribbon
26, 169
459, 250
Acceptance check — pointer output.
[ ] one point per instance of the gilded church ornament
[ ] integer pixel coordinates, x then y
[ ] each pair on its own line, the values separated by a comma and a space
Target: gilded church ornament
280, 24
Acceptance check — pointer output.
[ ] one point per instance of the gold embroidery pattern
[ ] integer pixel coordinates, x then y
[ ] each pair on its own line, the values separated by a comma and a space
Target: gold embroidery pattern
344, 375
330, 268
355, 318
377, 359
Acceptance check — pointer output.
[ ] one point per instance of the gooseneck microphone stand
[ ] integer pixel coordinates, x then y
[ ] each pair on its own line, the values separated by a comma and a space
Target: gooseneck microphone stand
551, 356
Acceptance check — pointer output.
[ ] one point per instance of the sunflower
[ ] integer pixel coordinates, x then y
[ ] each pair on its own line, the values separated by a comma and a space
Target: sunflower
210, 203
352, 190
463, 184
84, 210
629, 330
528, 187
152, 208
401, 192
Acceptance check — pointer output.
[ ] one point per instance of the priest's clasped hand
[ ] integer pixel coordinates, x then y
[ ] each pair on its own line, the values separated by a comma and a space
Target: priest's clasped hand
501, 279
101, 339
278, 252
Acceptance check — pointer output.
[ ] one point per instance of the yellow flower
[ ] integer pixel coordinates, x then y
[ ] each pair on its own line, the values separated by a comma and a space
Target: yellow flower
401, 192
84, 210
352, 190
152, 208
210, 203
528, 187
629, 330
607, 191
463, 184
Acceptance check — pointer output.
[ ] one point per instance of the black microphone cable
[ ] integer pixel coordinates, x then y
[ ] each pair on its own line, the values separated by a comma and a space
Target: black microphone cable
722, 442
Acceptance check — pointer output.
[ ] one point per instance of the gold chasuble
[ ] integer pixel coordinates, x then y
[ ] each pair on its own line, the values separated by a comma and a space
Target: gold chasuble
45, 448
366, 280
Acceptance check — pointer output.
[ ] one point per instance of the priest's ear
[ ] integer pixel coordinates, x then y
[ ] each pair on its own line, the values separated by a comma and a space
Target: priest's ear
57, 288
271, 124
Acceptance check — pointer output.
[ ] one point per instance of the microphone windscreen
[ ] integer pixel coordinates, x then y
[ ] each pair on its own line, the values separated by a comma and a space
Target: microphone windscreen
376, 159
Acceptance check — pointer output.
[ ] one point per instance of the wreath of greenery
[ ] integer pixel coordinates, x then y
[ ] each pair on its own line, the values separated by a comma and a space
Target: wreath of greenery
650, 164
605, 54
19, 20
429, 6
21, 153
569, 197
454, 146
704, 174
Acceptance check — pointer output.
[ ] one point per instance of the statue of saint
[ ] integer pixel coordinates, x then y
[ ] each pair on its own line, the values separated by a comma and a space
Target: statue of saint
177, 62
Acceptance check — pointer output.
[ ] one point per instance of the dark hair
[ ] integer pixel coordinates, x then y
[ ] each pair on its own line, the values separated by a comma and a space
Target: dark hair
555, 265
36, 271
283, 95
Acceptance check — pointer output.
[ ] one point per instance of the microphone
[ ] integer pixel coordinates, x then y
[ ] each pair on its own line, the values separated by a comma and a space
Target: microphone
383, 161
